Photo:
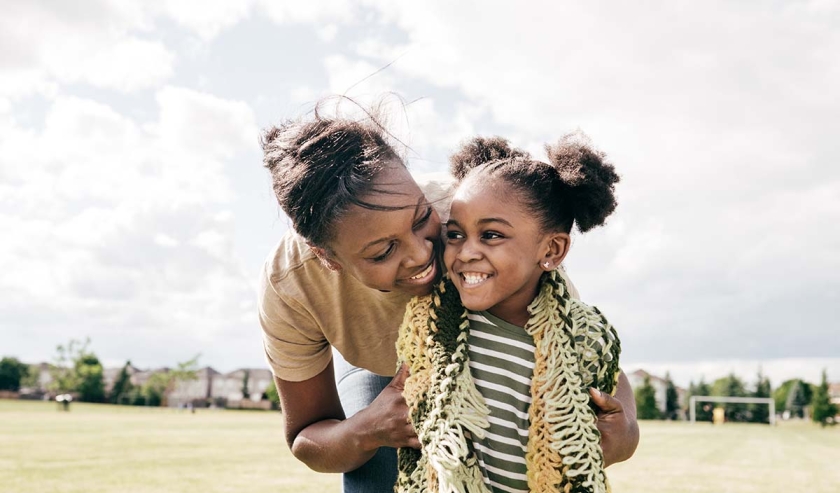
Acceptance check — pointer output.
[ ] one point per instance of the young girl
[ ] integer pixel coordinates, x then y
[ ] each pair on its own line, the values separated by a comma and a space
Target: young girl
498, 392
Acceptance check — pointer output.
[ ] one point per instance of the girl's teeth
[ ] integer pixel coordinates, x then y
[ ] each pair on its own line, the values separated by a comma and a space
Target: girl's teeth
474, 278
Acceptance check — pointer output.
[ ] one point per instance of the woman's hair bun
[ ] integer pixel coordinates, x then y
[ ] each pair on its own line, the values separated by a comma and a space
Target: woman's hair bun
588, 178
481, 150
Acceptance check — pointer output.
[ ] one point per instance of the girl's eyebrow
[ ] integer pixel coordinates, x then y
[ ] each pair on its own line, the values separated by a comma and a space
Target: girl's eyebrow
494, 220
483, 221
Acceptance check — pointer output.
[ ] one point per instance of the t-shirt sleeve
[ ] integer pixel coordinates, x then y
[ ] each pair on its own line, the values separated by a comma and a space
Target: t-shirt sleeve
295, 347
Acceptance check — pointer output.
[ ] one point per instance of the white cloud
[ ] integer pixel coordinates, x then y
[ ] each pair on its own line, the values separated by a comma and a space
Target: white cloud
312, 11
101, 43
120, 230
205, 18
204, 125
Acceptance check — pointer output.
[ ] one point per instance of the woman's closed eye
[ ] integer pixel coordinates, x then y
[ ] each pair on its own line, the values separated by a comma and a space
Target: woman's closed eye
384, 255
423, 220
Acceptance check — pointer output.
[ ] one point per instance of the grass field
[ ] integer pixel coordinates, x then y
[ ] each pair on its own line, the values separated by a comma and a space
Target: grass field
110, 449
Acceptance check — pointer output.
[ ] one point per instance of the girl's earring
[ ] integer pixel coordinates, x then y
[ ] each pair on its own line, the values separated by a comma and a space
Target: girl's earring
547, 265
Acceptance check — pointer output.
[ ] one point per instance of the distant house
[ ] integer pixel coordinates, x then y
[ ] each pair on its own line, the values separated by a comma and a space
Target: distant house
231, 385
637, 379
834, 392
223, 390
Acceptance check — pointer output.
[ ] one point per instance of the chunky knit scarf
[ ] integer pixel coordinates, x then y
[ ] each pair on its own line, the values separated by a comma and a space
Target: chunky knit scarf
576, 348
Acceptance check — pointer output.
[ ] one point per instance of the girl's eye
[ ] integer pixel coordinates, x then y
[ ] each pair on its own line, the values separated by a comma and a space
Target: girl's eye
423, 220
454, 235
491, 235
386, 254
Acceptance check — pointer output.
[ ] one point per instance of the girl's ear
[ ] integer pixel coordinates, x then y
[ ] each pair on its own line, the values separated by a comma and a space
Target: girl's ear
325, 258
556, 247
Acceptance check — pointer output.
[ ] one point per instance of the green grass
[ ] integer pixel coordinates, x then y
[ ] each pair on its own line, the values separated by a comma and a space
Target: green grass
100, 448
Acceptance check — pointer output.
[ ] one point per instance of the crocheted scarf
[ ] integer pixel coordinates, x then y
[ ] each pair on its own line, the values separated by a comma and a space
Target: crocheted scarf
576, 348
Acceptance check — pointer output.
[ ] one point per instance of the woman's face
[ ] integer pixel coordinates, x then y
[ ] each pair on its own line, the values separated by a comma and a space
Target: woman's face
391, 250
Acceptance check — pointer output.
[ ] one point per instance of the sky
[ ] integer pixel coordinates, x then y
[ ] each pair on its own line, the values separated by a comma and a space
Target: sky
135, 211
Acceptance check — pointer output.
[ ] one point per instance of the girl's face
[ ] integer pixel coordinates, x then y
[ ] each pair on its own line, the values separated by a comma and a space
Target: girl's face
495, 249
391, 250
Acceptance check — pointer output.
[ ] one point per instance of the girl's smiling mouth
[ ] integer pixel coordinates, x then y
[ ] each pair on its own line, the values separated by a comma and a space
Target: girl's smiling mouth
473, 279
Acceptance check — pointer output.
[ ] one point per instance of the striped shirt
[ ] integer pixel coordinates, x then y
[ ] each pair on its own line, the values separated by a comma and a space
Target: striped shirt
502, 363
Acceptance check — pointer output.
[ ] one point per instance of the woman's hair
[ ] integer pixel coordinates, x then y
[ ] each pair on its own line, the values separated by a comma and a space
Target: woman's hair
321, 166
576, 186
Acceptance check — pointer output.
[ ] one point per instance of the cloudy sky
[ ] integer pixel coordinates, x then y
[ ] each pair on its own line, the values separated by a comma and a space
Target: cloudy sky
134, 209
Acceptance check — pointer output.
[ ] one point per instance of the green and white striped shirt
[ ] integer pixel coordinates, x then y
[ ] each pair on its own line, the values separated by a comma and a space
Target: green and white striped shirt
502, 363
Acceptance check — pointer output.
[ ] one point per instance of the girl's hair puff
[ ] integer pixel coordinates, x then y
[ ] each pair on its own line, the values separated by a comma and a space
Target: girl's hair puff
576, 186
321, 166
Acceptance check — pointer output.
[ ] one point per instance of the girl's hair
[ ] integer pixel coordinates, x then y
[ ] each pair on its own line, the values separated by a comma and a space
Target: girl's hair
576, 186
321, 166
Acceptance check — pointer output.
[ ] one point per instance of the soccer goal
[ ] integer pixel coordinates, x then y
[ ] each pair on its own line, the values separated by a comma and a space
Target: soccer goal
692, 402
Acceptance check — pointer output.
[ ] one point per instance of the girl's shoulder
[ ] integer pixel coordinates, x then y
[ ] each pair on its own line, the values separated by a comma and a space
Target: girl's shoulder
597, 345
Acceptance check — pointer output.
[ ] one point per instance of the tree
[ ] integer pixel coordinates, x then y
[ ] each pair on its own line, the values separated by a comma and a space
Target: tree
160, 384
32, 379
62, 371
76, 369
672, 404
732, 386
702, 389
272, 395
12, 371
123, 387
823, 410
246, 394
797, 397
760, 413
89, 374
646, 407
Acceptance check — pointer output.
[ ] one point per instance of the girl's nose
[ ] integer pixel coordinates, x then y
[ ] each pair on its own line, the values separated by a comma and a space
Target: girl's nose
468, 251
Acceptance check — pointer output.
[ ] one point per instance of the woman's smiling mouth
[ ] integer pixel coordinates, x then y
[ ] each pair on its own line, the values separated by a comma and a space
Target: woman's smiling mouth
426, 275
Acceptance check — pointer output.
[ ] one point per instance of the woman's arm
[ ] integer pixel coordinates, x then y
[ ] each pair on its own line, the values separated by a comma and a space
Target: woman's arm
617, 422
319, 435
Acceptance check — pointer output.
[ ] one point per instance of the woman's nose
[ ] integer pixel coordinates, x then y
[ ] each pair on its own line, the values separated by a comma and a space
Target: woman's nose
421, 250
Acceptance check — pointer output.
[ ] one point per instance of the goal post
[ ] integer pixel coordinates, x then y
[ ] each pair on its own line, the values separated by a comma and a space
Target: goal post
746, 400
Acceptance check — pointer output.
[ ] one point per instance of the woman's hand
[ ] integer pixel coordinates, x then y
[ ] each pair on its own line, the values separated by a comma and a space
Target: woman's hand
319, 435
617, 422
388, 415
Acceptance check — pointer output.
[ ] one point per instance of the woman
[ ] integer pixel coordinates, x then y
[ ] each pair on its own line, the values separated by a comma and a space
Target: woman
366, 240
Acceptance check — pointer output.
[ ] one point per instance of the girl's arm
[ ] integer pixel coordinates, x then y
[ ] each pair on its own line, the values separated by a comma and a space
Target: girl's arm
617, 422
319, 435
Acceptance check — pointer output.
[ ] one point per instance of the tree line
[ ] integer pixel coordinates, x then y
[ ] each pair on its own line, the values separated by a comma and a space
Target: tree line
792, 398
76, 370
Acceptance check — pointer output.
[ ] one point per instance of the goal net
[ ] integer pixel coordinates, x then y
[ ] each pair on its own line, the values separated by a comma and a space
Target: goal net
745, 400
